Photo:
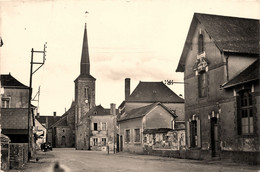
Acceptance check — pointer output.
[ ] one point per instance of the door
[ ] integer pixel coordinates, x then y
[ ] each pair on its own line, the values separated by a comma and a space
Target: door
214, 137
117, 142
121, 143
63, 142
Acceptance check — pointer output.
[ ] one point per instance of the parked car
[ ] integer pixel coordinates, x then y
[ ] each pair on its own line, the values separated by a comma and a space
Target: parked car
46, 146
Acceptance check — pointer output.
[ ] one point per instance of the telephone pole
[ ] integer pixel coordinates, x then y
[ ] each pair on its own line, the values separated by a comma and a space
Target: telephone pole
32, 71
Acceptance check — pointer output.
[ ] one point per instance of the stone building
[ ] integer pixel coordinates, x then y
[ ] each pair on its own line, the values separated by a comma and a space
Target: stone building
47, 122
220, 61
84, 97
63, 130
103, 130
152, 116
14, 112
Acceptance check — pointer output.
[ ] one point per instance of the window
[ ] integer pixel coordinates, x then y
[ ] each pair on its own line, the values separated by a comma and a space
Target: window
104, 141
95, 141
193, 134
127, 136
5, 102
95, 126
200, 44
85, 92
137, 135
202, 84
104, 126
245, 113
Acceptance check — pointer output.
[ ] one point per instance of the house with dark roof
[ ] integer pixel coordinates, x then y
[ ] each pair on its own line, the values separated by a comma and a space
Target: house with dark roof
103, 131
60, 129
15, 111
220, 61
151, 116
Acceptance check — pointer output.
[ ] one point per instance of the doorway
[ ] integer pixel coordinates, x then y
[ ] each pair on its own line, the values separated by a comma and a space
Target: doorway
121, 143
214, 137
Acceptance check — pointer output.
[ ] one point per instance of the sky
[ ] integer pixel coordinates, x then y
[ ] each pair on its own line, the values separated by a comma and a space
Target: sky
141, 40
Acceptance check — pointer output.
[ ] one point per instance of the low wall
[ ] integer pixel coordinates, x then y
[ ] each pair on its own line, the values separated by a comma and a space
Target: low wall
18, 155
5, 152
233, 156
239, 156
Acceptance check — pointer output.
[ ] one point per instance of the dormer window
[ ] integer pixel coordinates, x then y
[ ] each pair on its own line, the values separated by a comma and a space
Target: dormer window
200, 44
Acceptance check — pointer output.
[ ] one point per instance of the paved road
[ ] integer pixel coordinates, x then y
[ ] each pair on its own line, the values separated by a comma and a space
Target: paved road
76, 161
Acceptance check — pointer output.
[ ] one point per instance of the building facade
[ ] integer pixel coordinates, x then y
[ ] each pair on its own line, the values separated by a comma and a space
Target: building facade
148, 118
14, 112
103, 131
219, 55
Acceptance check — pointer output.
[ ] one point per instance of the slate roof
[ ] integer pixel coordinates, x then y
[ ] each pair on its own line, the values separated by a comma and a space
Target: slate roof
98, 111
10, 81
251, 73
85, 76
142, 111
14, 118
153, 92
230, 34
51, 119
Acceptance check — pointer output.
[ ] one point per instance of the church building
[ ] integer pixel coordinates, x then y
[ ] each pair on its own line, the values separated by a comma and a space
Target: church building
84, 97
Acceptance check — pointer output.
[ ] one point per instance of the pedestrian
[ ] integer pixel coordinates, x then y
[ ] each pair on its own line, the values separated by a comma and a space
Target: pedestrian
107, 149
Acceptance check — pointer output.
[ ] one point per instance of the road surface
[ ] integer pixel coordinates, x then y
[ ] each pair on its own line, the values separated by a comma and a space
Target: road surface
78, 160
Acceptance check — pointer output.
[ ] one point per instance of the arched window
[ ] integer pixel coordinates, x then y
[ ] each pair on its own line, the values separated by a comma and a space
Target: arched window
200, 44
245, 116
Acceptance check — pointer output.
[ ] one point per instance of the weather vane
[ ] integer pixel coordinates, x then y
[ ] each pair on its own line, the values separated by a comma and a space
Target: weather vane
86, 14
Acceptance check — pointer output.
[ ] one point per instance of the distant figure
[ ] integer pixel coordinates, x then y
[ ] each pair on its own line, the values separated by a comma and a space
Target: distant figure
107, 149
57, 168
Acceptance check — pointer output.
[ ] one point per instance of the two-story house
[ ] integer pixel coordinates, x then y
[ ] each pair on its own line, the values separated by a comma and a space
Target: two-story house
103, 130
152, 116
15, 112
220, 61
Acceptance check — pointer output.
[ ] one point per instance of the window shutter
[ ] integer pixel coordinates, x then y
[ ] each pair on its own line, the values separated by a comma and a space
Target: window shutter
239, 122
92, 126
188, 133
198, 134
99, 126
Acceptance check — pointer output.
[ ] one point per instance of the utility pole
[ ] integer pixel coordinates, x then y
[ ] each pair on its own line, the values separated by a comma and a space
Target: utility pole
41, 63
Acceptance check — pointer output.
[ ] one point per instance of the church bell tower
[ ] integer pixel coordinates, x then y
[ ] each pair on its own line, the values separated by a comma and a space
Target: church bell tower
84, 92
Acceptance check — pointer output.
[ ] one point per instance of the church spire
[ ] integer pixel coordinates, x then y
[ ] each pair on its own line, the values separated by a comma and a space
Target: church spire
84, 63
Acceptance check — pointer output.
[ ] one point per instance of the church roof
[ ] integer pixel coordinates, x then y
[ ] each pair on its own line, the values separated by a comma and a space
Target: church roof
10, 81
230, 34
153, 92
251, 73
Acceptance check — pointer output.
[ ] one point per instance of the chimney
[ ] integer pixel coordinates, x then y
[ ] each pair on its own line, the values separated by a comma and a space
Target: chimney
54, 114
127, 88
113, 109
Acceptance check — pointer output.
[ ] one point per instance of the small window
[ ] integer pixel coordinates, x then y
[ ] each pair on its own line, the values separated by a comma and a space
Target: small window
104, 141
104, 126
127, 136
95, 126
201, 44
137, 135
6, 102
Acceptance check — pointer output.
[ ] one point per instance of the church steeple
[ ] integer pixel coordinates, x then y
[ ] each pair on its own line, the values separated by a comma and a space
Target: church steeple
84, 63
